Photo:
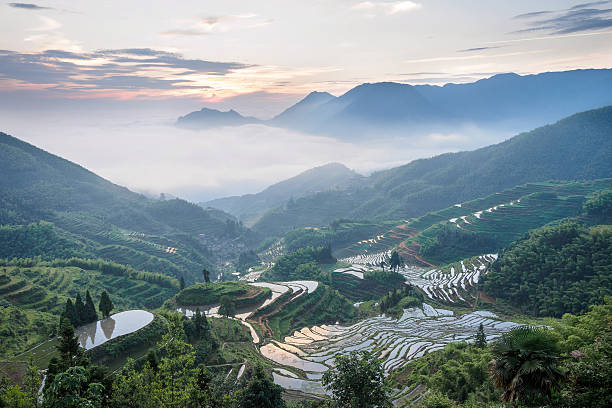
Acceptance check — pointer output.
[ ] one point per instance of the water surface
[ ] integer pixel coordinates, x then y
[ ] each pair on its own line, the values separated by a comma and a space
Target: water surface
94, 334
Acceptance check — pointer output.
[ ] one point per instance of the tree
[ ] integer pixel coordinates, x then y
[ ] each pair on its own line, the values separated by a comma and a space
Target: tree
181, 283
261, 392
382, 265
206, 275
71, 389
228, 306
525, 365
357, 381
31, 384
153, 359
201, 322
68, 346
90, 308
70, 313
81, 313
481, 337
395, 261
12, 396
106, 304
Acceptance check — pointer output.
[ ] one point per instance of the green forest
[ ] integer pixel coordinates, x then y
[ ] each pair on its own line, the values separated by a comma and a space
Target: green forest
555, 269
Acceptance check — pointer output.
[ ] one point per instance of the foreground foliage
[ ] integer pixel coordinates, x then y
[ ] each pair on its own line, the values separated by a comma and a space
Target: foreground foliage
357, 381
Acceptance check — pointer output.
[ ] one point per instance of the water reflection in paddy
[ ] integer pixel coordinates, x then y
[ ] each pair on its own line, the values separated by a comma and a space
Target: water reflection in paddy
94, 334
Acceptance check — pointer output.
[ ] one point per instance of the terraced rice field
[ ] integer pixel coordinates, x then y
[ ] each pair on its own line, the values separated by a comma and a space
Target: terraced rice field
295, 290
452, 284
506, 215
46, 288
308, 353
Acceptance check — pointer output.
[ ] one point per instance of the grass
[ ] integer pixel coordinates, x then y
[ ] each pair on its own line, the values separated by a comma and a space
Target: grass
33, 296
357, 290
211, 293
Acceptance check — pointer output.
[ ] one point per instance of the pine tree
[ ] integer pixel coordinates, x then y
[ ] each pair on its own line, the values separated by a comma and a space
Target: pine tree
395, 261
70, 313
68, 346
206, 275
182, 283
481, 337
90, 308
79, 308
106, 304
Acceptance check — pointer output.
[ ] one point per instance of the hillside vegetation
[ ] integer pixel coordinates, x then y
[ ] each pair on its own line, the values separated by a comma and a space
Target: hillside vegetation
211, 293
92, 218
555, 269
575, 148
33, 294
250, 207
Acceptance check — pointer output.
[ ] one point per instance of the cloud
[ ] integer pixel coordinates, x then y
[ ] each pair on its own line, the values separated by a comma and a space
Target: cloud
135, 71
28, 6
219, 24
591, 4
47, 24
471, 57
533, 14
579, 18
480, 48
387, 7
132, 149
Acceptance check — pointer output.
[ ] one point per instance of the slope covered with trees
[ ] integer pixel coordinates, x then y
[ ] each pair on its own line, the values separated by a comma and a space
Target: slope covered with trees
555, 269
249, 208
575, 148
91, 218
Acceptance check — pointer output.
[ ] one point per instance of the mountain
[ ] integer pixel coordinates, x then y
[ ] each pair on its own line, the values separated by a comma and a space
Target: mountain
249, 208
301, 111
209, 118
93, 217
502, 103
576, 148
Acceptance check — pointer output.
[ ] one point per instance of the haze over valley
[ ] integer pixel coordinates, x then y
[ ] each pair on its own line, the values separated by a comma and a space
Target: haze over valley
306, 205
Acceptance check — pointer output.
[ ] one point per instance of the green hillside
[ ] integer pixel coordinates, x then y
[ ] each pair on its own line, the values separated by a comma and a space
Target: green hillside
555, 269
33, 294
92, 218
483, 225
576, 148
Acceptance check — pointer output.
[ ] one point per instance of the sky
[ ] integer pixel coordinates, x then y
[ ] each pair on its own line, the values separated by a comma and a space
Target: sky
101, 83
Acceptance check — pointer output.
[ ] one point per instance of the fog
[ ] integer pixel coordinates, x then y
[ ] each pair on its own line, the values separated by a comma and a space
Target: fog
142, 150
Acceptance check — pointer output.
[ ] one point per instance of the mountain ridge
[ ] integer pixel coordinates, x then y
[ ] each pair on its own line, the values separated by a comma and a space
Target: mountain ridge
575, 148
506, 102
250, 207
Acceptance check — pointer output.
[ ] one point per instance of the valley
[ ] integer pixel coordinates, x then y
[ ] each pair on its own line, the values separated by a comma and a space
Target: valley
452, 263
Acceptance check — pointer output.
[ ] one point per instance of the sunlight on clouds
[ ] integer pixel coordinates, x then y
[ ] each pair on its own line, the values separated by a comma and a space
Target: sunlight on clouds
47, 24
219, 24
388, 7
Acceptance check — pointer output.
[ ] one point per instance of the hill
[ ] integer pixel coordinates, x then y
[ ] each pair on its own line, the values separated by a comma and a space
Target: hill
93, 218
298, 114
554, 270
576, 148
248, 208
33, 294
209, 118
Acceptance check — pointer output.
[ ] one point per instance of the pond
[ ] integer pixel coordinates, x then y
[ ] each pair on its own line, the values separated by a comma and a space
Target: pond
94, 334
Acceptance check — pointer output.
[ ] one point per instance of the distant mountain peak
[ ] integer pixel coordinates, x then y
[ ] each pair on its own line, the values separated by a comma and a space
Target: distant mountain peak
249, 208
209, 118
